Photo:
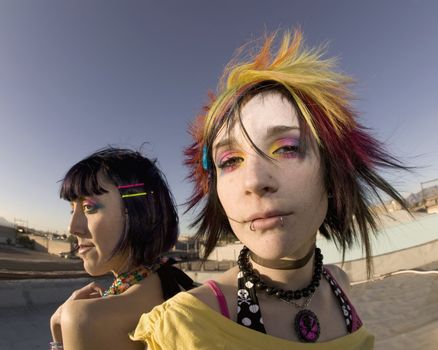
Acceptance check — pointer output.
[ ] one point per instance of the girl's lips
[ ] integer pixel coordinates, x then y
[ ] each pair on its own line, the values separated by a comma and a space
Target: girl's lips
84, 248
264, 215
271, 222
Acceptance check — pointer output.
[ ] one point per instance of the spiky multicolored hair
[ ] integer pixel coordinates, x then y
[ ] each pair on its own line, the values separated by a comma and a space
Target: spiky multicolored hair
350, 156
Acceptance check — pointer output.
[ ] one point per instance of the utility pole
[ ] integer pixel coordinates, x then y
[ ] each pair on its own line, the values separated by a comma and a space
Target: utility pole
21, 225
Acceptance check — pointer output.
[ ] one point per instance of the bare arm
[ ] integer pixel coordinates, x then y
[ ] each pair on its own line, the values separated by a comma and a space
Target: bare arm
104, 323
90, 291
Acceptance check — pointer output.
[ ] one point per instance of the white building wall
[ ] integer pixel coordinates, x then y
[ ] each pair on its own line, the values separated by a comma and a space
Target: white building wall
227, 252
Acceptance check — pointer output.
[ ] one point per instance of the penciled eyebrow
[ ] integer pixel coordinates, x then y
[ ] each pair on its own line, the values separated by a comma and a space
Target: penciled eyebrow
82, 200
271, 131
88, 200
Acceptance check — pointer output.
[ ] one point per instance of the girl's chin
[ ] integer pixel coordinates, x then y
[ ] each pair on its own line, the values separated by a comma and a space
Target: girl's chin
94, 270
273, 252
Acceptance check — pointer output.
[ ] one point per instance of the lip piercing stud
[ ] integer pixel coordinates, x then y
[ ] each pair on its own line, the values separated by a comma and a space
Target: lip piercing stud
251, 226
281, 221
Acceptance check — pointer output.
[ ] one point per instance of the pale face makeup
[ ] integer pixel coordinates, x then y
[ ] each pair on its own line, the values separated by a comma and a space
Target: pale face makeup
275, 206
98, 223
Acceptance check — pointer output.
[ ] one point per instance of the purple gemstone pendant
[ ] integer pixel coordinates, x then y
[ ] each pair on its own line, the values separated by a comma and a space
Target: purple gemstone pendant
307, 326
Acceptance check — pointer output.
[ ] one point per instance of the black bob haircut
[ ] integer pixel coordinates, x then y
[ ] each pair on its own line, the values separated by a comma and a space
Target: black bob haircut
151, 228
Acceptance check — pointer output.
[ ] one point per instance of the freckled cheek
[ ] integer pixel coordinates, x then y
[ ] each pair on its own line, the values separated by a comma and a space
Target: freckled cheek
310, 174
320, 188
306, 186
226, 197
315, 202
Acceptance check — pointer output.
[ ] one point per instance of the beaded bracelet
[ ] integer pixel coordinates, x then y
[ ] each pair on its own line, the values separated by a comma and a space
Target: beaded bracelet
56, 345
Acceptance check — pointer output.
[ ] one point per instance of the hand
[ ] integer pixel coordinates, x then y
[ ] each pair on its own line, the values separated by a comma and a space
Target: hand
90, 291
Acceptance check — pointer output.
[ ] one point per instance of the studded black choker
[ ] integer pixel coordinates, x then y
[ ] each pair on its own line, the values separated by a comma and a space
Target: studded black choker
306, 322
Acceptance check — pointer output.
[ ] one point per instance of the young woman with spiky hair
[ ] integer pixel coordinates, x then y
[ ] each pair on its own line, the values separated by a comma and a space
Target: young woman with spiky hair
278, 156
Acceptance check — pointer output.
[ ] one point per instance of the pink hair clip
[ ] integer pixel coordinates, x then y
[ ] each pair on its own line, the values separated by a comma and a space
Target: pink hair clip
130, 186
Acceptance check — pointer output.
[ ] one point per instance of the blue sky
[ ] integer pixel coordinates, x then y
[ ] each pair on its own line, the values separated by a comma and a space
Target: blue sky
78, 75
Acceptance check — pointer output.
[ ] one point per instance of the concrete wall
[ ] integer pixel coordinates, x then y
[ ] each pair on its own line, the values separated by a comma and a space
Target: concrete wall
57, 247
228, 252
37, 292
25, 293
43, 244
433, 209
405, 259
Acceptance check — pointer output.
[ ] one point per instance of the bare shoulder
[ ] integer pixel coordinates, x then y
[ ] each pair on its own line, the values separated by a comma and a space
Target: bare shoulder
99, 324
140, 298
88, 321
81, 324
204, 294
226, 283
340, 276
76, 311
91, 316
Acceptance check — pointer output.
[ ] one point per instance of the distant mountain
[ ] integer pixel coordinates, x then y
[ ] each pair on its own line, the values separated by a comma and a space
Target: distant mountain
4, 222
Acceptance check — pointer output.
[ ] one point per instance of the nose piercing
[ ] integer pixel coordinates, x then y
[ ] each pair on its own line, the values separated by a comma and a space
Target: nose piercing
251, 226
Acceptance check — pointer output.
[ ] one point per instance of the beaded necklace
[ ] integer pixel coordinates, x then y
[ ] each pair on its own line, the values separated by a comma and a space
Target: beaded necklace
306, 322
127, 279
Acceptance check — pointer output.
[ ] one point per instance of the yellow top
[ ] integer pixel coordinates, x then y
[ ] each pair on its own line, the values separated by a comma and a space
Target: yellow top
185, 323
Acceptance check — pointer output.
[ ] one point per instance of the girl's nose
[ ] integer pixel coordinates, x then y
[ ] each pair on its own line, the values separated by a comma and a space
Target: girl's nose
78, 221
260, 176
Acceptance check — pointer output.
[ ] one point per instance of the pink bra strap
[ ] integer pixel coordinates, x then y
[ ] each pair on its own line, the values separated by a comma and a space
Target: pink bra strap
220, 297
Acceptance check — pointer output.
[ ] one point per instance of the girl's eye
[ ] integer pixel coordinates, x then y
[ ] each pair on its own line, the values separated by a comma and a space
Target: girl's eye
229, 163
88, 208
288, 147
287, 151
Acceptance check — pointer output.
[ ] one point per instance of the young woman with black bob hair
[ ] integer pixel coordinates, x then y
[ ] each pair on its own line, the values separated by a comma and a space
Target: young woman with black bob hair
277, 157
124, 219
